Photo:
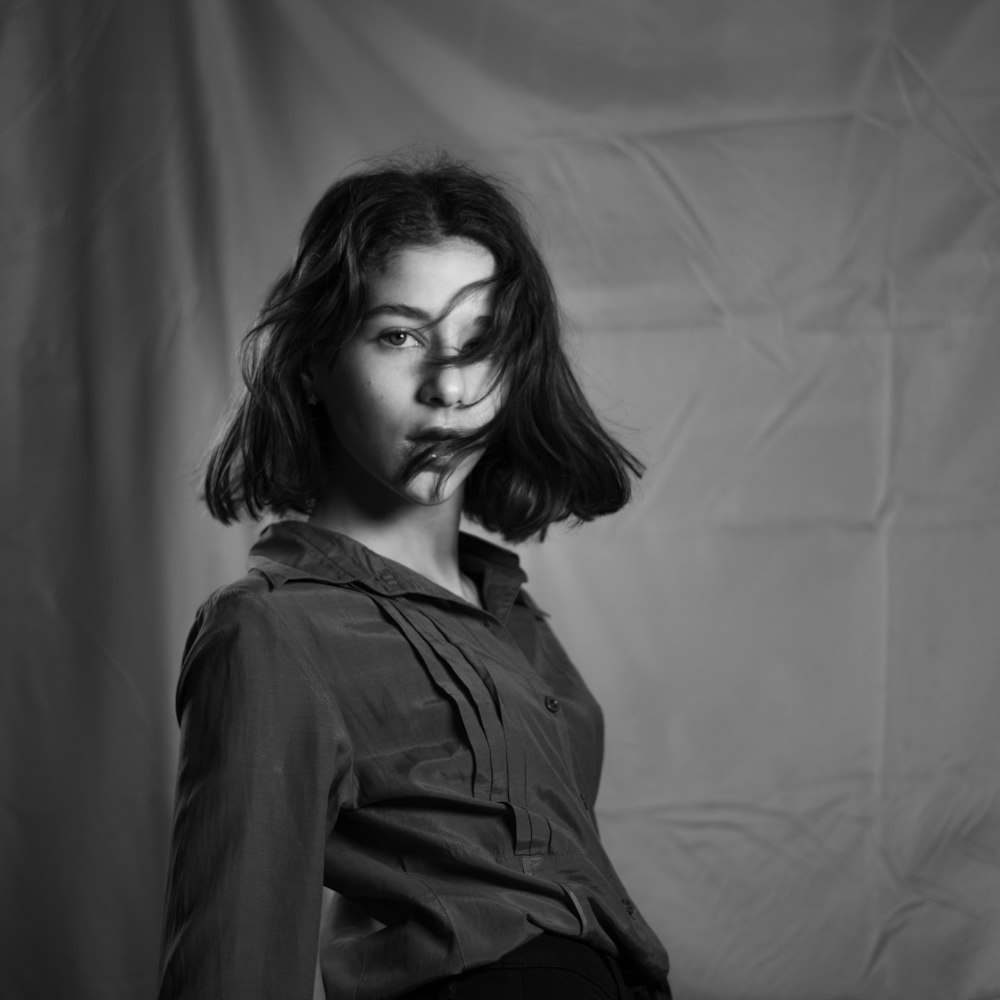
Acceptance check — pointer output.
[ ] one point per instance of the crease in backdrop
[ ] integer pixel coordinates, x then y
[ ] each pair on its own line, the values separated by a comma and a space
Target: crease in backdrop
775, 230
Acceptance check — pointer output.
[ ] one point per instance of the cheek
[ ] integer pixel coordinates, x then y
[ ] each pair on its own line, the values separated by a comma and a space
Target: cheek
364, 410
497, 394
375, 402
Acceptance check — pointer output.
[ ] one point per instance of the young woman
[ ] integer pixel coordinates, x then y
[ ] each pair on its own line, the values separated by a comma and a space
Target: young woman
378, 707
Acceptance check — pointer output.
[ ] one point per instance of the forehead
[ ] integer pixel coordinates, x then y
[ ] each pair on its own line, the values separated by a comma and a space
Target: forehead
433, 278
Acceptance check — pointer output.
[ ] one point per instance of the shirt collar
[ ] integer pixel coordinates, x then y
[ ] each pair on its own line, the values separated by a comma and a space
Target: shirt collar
297, 550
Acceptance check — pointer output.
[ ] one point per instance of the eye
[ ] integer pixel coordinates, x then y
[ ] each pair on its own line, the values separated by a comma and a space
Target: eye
397, 337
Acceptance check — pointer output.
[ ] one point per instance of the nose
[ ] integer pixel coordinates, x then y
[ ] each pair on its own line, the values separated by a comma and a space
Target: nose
444, 385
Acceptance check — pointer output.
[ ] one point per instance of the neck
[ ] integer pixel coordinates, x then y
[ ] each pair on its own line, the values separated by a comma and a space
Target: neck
423, 538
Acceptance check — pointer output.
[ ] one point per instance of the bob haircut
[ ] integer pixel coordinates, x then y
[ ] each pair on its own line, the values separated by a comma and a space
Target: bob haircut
546, 458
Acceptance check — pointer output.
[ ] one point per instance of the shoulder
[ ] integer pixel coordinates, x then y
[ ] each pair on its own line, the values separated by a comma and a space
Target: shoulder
252, 639
256, 604
252, 698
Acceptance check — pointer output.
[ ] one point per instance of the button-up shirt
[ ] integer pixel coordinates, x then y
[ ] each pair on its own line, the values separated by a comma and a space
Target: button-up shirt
346, 722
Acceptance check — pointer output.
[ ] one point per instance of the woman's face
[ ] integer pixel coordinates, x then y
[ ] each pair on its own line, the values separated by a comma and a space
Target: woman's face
386, 401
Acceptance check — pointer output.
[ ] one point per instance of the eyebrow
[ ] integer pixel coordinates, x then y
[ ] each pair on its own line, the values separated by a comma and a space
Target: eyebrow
398, 309
412, 312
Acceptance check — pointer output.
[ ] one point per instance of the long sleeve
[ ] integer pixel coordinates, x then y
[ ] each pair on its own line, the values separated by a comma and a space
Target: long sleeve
262, 765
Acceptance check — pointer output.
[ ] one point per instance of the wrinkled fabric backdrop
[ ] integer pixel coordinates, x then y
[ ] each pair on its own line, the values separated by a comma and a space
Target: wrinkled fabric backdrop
775, 227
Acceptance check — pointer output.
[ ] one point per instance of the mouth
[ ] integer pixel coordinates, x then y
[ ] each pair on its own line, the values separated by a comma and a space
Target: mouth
435, 446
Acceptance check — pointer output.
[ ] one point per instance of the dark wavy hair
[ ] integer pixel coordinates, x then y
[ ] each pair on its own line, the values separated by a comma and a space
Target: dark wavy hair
546, 457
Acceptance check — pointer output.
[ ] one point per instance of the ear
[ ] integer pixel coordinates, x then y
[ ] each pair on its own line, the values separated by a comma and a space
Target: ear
309, 384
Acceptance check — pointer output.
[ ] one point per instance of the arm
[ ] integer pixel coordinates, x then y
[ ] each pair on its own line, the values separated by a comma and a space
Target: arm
261, 763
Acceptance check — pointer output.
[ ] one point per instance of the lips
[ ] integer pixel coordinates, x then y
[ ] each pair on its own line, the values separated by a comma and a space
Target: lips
436, 436
436, 445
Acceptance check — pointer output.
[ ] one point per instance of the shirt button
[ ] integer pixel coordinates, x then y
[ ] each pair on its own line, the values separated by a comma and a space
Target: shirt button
629, 906
552, 704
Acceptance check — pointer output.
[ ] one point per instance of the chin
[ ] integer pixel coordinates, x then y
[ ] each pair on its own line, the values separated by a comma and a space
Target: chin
431, 489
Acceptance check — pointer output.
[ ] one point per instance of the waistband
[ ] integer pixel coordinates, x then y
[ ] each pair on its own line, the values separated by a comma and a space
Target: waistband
545, 954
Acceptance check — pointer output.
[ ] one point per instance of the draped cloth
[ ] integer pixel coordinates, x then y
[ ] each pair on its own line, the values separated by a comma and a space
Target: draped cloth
775, 229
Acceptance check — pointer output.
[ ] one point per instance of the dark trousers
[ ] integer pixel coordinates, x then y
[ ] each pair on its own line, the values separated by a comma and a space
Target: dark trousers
546, 968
